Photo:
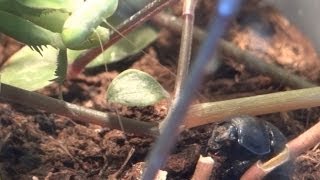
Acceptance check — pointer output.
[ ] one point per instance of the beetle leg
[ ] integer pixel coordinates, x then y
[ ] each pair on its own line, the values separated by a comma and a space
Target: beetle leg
222, 136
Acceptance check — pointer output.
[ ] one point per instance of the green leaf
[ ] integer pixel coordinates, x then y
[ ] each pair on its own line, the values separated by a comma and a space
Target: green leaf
52, 20
130, 45
28, 70
135, 88
27, 32
68, 5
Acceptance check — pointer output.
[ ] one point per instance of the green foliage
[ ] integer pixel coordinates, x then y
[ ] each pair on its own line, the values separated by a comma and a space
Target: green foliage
51, 20
50, 17
132, 44
135, 88
39, 23
84, 20
29, 70
67, 5
27, 32
65, 25
24, 66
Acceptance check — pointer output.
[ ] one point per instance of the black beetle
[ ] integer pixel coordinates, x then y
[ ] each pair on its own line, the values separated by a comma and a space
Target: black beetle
244, 140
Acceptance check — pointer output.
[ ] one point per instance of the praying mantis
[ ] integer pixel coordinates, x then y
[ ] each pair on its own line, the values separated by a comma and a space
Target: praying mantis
62, 24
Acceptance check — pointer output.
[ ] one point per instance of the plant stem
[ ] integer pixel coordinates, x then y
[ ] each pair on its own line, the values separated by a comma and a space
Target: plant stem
38, 101
203, 168
185, 47
161, 175
184, 54
225, 12
297, 146
253, 63
127, 26
215, 112
197, 115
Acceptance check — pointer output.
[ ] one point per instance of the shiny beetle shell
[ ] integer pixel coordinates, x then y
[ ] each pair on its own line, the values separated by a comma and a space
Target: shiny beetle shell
252, 134
245, 140
257, 136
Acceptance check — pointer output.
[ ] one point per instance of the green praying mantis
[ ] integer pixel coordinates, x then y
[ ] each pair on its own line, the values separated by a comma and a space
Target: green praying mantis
62, 24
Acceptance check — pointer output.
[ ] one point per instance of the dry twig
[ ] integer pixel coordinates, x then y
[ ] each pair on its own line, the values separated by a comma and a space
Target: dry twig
215, 112
116, 174
203, 169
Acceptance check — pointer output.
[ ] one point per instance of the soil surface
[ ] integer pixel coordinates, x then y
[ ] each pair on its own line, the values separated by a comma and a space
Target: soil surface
39, 145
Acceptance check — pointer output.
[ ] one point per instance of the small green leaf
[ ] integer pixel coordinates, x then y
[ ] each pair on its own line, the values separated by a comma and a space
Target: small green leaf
130, 45
28, 70
135, 88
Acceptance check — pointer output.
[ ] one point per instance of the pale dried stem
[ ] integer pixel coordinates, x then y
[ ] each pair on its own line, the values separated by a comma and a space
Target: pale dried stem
215, 112
161, 175
203, 168
305, 141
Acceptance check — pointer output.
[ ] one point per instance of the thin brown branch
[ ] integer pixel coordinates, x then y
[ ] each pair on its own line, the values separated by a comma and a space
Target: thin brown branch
134, 21
305, 141
297, 146
38, 101
197, 115
254, 63
115, 175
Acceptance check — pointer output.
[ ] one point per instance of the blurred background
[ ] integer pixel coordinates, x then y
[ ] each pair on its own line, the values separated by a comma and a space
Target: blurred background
304, 14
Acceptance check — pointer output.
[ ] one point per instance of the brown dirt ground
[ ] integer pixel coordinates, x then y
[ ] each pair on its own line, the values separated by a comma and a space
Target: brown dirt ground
36, 144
